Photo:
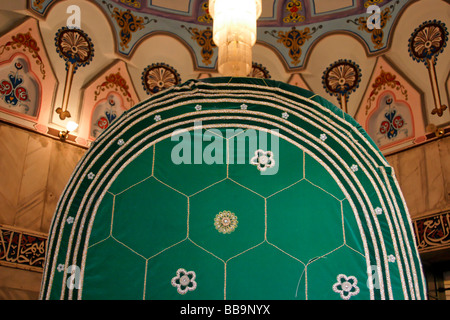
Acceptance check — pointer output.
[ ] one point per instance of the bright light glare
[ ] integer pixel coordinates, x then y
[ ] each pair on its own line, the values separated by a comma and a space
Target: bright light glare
234, 33
71, 126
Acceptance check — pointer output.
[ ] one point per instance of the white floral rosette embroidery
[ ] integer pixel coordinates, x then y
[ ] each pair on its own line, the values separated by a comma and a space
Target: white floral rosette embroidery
263, 160
184, 281
378, 210
346, 286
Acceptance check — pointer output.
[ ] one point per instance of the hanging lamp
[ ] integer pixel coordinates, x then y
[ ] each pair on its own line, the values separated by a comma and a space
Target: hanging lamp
234, 33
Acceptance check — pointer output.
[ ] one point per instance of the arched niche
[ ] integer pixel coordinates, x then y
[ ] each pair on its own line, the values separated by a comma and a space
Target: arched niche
391, 122
104, 99
27, 72
20, 89
104, 113
390, 95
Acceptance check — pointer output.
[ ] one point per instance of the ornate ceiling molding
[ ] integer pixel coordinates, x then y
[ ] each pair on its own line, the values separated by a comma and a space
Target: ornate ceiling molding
133, 21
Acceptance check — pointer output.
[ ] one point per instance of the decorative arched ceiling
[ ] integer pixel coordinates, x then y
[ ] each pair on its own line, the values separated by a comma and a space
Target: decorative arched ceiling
139, 47
289, 27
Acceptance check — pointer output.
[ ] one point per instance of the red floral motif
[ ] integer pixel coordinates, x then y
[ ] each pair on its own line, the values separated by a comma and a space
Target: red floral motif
5, 87
385, 79
12, 92
26, 40
398, 122
115, 80
102, 123
384, 127
393, 123
21, 94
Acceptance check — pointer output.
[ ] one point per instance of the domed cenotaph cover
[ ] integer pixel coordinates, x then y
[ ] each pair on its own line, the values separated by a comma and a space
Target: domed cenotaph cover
233, 188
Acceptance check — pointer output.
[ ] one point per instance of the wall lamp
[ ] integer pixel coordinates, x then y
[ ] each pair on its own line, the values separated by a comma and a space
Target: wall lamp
71, 126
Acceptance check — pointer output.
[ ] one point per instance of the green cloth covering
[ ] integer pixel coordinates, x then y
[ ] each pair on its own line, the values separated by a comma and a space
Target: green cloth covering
281, 195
